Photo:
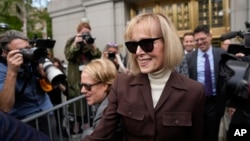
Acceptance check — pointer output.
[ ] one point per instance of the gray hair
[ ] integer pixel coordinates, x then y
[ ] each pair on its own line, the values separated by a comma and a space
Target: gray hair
10, 35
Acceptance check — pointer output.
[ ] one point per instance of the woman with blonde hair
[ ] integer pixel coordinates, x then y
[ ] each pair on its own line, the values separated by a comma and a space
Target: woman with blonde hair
153, 102
96, 80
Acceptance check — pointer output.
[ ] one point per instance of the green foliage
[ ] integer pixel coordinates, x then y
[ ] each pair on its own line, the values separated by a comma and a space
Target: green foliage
13, 11
49, 24
32, 33
12, 21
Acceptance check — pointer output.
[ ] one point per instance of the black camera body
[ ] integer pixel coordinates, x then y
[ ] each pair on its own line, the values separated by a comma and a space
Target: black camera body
111, 55
236, 87
38, 50
88, 38
34, 54
39, 54
235, 71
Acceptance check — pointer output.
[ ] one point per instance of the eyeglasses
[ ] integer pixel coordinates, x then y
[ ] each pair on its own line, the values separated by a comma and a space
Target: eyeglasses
88, 86
146, 45
201, 39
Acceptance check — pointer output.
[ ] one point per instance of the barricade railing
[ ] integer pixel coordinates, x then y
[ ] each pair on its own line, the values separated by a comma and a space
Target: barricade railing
67, 117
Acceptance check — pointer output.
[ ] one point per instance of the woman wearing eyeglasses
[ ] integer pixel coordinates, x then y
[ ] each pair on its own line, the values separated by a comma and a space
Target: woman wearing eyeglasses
154, 102
96, 79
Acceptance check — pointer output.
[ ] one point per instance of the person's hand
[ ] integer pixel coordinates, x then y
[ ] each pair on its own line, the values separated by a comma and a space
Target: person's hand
62, 87
14, 60
105, 54
44, 79
240, 54
78, 39
41, 71
115, 60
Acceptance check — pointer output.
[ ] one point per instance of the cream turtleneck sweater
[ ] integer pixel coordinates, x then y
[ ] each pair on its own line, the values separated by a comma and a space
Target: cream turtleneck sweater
158, 81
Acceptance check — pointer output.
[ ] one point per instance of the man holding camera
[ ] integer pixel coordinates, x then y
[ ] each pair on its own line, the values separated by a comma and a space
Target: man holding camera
78, 51
21, 94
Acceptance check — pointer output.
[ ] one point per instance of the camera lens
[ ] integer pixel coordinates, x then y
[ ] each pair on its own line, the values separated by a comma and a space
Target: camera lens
111, 55
88, 38
54, 75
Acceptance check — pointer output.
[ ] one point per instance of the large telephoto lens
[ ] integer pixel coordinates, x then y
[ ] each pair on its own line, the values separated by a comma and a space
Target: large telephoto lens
54, 75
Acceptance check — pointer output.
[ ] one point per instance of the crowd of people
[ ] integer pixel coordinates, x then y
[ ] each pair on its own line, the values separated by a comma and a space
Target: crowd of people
164, 88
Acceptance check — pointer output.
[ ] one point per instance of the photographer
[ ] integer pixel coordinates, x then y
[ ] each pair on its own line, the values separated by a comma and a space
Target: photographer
234, 81
79, 50
111, 52
21, 94
235, 102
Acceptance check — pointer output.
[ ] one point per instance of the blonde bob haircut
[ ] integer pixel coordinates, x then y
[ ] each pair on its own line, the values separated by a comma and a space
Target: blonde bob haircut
151, 23
101, 70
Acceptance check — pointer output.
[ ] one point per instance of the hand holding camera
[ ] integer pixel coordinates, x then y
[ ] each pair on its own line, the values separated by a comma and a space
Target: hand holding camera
87, 38
78, 39
14, 60
84, 39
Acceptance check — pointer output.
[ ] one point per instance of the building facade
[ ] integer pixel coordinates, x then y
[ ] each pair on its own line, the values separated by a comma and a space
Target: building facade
109, 18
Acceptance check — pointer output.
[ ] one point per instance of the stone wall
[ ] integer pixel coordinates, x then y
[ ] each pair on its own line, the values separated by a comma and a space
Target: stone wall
106, 17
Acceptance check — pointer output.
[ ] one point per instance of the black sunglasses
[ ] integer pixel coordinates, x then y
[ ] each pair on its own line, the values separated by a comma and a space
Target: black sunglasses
146, 45
88, 86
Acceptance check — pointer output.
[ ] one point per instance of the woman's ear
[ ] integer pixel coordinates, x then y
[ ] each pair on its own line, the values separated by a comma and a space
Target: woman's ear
107, 88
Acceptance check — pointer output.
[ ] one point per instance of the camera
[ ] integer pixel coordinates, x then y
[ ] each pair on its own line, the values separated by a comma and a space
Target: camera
235, 72
33, 54
54, 75
88, 38
38, 54
111, 55
235, 69
37, 51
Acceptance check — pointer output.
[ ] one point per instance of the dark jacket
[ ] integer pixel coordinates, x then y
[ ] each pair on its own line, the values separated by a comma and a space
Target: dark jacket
192, 69
77, 56
176, 117
15, 130
74, 56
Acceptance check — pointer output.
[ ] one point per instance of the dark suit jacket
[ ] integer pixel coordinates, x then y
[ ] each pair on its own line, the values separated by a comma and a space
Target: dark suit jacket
192, 62
192, 69
176, 117
12, 129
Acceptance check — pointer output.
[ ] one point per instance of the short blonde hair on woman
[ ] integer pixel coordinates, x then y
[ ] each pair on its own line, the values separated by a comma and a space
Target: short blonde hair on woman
101, 70
151, 22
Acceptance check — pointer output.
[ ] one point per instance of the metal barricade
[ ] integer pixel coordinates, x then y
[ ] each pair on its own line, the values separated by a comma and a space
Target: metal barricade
68, 118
